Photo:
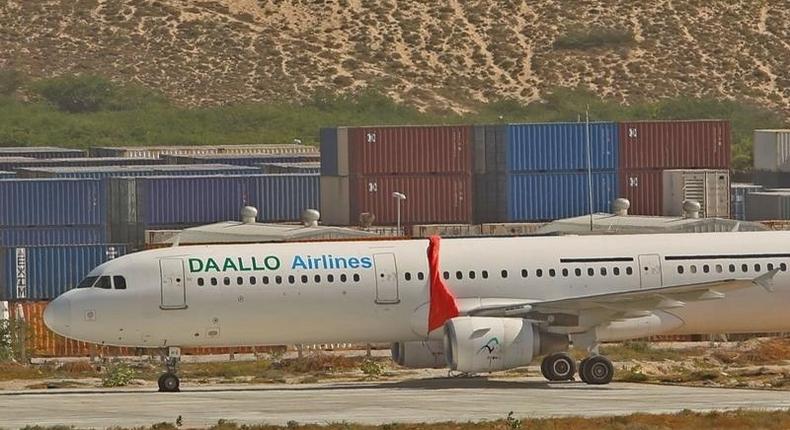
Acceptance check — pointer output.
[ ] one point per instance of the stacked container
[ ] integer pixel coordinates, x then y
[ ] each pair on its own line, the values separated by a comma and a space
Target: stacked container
159, 151
768, 205
7, 175
146, 203
649, 147
243, 159
738, 199
534, 172
118, 171
362, 167
40, 152
309, 167
772, 158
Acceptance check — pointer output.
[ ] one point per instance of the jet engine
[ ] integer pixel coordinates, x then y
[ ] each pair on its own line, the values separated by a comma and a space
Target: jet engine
419, 355
485, 344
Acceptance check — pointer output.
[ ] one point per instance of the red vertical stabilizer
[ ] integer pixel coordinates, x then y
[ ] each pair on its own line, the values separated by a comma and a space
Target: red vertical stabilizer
443, 305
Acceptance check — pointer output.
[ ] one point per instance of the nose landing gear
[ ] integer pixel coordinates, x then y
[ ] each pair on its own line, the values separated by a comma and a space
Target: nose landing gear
169, 382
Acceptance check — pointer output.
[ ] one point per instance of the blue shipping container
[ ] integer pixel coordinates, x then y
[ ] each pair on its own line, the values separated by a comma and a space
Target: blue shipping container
45, 272
52, 202
561, 146
329, 151
41, 152
738, 198
172, 201
13, 163
98, 172
55, 235
555, 195
7, 175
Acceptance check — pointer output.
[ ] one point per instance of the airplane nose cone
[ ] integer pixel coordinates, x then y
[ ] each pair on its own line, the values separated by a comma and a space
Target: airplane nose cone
57, 316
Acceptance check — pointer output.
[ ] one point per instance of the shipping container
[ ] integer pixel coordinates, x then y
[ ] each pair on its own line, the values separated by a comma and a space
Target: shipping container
40, 152
644, 189
738, 198
556, 195
242, 159
703, 144
770, 179
279, 168
45, 272
545, 147
158, 151
335, 201
709, 188
7, 175
490, 198
768, 205
53, 235
99, 172
334, 151
408, 150
52, 202
772, 150
13, 163
429, 198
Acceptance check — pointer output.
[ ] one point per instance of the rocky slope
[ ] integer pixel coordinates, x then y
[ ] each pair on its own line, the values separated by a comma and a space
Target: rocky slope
448, 54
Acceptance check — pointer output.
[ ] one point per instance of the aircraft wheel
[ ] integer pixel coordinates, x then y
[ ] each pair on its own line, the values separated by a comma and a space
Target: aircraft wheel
597, 370
169, 383
558, 367
582, 366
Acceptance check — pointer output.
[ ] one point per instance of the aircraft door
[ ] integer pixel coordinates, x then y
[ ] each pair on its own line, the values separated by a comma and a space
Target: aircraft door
173, 285
650, 271
386, 279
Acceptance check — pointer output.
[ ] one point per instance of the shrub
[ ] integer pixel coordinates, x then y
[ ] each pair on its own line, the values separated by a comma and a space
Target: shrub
371, 368
118, 375
10, 81
89, 93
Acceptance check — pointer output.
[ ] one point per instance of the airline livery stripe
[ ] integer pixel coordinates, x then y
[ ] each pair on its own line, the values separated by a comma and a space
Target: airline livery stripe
595, 259
724, 257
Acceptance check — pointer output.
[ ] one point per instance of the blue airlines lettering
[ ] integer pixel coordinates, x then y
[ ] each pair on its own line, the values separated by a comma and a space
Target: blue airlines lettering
327, 261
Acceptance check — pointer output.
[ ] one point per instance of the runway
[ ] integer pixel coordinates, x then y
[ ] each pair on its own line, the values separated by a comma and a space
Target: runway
423, 400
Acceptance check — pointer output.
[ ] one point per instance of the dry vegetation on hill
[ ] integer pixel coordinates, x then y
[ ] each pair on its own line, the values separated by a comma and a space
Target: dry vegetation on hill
433, 55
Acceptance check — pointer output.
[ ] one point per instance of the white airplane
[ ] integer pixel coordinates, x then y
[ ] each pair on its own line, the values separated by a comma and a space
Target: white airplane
489, 304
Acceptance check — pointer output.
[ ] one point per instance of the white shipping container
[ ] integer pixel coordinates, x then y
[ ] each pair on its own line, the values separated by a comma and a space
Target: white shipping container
772, 150
709, 188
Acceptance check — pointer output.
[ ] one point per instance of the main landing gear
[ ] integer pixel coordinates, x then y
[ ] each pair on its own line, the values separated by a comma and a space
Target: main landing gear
169, 382
594, 370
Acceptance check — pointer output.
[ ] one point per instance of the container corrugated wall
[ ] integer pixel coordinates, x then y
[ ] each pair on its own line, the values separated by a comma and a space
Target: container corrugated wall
7, 175
15, 163
100, 172
770, 179
279, 168
55, 235
157, 151
409, 150
644, 189
429, 198
45, 272
738, 198
329, 151
768, 205
555, 195
701, 144
243, 160
772, 150
41, 152
561, 146
48, 202
284, 197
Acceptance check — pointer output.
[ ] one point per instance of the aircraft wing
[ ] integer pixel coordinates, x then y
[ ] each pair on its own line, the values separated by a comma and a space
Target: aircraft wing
622, 304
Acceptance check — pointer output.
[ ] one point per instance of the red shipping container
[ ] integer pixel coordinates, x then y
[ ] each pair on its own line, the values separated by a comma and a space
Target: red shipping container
434, 199
406, 150
675, 144
644, 189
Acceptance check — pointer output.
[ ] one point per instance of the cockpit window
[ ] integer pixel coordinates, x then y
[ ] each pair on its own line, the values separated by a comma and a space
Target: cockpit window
119, 282
87, 282
103, 282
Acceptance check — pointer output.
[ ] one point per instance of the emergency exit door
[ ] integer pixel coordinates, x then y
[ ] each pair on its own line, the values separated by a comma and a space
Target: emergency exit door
386, 279
173, 285
650, 271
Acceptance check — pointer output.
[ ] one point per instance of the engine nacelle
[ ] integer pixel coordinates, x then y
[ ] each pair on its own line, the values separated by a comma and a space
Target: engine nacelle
419, 355
485, 344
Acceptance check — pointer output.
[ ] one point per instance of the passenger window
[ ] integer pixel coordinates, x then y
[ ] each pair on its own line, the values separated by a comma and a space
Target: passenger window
343, 277
356, 277
603, 271
504, 274
265, 280
552, 273
278, 279
744, 268
732, 268
756, 267
253, 280
524, 273
565, 272
484, 274
239, 280
539, 273
304, 279
120, 282
783, 267
770, 266
590, 271
291, 279
459, 275
446, 275
680, 269
214, 282
201, 282
616, 271
706, 268
577, 271
719, 269
407, 276
226, 281
317, 279
629, 271
88, 282
330, 278
693, 268
472, 274
420, 276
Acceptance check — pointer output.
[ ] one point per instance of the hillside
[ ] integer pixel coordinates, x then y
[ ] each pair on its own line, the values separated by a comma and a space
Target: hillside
455, 54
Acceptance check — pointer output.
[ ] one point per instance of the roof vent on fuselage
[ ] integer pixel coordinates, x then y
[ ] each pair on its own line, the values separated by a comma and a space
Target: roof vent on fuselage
310, 217
249, 214
620, 206
691, 208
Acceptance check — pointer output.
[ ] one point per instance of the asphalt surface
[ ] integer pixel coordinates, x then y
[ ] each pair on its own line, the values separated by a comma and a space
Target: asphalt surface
422, 400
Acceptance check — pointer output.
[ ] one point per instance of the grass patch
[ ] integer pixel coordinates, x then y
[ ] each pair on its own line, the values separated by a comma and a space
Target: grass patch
644, 351
594, 37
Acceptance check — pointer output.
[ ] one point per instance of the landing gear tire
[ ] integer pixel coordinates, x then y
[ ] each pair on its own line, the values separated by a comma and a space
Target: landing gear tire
582, 366
558, 367
596, 370
169, 383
